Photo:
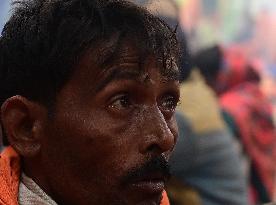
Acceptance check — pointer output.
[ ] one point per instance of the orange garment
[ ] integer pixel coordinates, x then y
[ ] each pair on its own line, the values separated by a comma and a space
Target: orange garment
9, 178
165, 200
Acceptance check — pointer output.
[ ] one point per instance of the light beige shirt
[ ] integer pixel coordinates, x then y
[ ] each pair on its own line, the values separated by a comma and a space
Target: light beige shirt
31, 194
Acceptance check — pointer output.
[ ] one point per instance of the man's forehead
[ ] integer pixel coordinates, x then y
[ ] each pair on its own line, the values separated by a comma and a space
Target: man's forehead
131, 65
126, 57
139, 61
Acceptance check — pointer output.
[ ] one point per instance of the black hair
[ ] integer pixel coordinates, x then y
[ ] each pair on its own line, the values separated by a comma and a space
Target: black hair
44, 40
209, 62
185, 66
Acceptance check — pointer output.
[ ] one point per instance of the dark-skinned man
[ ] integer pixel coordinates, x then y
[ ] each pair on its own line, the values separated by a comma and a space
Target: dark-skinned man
88, 93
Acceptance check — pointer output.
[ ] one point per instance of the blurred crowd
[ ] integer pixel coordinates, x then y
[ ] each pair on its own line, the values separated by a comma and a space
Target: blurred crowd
226, 152
226, 149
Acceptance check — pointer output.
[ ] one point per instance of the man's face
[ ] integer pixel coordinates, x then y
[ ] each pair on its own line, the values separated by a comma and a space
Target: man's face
111, 134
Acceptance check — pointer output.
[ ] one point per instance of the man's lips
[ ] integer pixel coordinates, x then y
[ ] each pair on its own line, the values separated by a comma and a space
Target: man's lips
149, 178
153, 183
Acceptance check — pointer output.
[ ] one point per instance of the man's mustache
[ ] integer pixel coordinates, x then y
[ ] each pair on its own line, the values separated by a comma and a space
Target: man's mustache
157, 165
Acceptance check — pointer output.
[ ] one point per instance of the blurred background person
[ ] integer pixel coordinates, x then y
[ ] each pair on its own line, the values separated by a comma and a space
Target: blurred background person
215, 167
247, 111
250, 24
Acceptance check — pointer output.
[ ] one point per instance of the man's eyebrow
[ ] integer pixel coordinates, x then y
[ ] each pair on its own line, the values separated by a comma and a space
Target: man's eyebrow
119, 74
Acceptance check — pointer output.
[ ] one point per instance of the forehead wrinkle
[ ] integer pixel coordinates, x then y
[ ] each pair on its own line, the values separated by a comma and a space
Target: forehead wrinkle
123, 64
107, 54
128, 65
106, 49
123, 50
127, 59
119, 74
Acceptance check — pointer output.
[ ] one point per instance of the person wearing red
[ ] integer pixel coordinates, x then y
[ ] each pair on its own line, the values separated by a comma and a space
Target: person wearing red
247, 111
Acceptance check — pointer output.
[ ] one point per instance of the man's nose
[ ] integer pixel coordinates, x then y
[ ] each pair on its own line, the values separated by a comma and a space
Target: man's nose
157, 136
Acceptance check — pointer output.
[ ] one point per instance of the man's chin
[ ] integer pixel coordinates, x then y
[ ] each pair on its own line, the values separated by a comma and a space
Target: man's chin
138, 197
153, 200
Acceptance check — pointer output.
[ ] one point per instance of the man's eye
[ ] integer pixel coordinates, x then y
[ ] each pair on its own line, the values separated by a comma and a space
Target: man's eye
121, 102
168, 104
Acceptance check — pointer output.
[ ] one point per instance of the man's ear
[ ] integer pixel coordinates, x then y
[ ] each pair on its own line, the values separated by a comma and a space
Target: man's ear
22, 122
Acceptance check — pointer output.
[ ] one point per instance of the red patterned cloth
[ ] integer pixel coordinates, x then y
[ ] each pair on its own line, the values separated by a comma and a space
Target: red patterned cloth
252, 114
242, 98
